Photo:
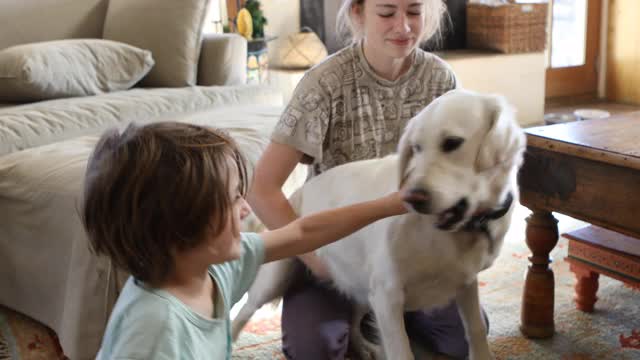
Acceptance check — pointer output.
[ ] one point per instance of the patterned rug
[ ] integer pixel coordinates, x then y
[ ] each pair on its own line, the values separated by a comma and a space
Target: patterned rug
24, 339
611, 332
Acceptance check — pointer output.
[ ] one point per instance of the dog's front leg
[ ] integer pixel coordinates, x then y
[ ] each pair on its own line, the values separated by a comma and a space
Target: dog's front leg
475, 328
387, 302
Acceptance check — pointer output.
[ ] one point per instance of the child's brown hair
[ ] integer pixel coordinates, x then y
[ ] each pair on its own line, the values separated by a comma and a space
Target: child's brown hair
157, 189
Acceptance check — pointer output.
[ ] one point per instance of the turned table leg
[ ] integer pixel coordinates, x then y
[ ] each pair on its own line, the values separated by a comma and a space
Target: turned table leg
538, 297
586, 288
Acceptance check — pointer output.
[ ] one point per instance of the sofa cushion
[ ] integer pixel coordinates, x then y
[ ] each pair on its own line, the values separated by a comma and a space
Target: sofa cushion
69, 68
30, 125
223, 60
171, 29
28, 21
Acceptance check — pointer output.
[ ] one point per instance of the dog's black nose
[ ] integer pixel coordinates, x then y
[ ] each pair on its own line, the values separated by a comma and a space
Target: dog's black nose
419, 199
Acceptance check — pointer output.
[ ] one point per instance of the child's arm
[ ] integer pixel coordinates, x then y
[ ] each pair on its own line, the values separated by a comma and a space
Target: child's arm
313, 231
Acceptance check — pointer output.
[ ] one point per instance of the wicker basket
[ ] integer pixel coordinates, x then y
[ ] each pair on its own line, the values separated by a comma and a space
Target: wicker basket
508, 28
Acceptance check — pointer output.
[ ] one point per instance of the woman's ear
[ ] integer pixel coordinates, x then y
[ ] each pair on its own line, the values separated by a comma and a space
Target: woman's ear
357, 13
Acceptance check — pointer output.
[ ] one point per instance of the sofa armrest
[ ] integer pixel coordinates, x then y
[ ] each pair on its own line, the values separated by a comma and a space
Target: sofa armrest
223, 60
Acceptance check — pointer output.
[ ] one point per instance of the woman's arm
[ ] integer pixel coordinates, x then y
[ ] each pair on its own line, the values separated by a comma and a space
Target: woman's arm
265, 196
269, 202
311, 232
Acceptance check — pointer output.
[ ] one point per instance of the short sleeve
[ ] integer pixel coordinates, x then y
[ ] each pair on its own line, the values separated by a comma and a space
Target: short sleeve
148, 334
440, 78
246, 268
304, 123
454, 81
444, 77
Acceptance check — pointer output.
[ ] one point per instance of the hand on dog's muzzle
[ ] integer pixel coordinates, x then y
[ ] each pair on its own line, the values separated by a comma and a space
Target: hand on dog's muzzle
418, 199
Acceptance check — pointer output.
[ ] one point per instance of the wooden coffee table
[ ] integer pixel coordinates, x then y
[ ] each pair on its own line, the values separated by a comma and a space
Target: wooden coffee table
589, 170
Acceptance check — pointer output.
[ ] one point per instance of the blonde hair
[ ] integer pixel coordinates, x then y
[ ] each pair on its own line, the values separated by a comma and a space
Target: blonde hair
348, 30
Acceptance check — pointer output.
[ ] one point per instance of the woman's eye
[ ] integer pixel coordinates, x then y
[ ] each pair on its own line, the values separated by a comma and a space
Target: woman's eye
415, 13
416, 148
386, 15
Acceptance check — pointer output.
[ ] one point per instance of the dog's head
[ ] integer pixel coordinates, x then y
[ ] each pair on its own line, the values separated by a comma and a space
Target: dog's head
459, 155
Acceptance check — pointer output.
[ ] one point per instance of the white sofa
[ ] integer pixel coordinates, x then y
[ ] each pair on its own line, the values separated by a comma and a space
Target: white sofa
48, 271
219, 73
46, 268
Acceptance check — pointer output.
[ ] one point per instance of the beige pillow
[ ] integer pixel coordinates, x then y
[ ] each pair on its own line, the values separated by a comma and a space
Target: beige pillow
171, 29
68, 68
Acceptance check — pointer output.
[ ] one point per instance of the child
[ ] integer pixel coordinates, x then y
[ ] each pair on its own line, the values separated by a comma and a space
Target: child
164, 202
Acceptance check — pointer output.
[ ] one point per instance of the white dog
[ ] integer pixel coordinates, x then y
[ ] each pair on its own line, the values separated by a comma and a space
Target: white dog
457, 164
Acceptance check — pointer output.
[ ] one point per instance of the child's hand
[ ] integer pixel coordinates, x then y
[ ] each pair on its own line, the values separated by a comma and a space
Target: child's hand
395, 204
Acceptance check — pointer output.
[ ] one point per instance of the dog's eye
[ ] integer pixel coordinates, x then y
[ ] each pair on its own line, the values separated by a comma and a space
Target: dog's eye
416, 148
451, 143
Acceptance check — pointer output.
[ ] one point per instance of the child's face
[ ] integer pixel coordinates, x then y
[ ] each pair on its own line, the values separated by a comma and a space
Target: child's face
226, 246
392, 28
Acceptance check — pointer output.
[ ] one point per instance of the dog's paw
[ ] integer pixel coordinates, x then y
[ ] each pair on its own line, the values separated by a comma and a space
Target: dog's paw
365, 349
368, 351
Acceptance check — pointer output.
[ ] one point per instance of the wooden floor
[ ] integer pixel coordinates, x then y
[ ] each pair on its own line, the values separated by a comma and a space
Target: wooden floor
569, 106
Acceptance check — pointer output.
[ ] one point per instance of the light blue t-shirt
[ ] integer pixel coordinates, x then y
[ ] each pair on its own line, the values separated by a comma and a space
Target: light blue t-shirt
149, 323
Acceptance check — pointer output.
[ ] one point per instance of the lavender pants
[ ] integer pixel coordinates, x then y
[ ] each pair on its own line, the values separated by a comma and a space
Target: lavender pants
316, 320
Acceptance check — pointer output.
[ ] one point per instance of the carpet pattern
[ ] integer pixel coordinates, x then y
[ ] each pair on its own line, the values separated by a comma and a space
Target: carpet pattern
22, 338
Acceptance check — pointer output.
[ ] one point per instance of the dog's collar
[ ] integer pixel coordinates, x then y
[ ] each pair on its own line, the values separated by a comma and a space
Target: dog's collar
480, 220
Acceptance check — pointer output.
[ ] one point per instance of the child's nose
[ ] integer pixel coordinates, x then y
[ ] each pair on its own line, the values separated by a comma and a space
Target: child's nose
245, 209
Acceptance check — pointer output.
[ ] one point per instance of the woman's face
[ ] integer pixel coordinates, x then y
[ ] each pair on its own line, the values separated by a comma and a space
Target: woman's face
391, 28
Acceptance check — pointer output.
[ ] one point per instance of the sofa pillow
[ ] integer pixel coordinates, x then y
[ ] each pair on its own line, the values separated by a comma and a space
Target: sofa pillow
69, 68
171, 29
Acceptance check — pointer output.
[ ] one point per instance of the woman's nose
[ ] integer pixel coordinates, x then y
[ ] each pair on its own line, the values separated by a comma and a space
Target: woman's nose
402, 24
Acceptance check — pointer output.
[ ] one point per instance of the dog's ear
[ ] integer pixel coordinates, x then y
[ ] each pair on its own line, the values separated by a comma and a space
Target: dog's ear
405, 153
504, 142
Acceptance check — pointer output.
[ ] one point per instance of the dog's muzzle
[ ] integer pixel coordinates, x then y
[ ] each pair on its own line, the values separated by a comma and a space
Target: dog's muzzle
479, 221
420, 200
452, 215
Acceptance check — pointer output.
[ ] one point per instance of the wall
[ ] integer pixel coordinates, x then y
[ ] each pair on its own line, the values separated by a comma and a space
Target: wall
623, 52
519, 77
283, 18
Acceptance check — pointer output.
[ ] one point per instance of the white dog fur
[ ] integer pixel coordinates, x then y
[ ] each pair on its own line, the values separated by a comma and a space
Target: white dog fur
407, 262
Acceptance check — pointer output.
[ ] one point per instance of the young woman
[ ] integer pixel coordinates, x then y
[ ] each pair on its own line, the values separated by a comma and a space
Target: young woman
354, 106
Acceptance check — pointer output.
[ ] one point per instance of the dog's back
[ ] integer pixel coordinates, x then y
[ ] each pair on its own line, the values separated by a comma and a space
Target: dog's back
344, 185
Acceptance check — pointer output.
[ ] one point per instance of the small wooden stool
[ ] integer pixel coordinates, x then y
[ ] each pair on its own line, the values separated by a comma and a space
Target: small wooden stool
594, 251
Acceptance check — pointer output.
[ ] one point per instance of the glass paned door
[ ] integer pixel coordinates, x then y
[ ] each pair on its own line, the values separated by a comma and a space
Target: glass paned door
568, 33
573, 51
